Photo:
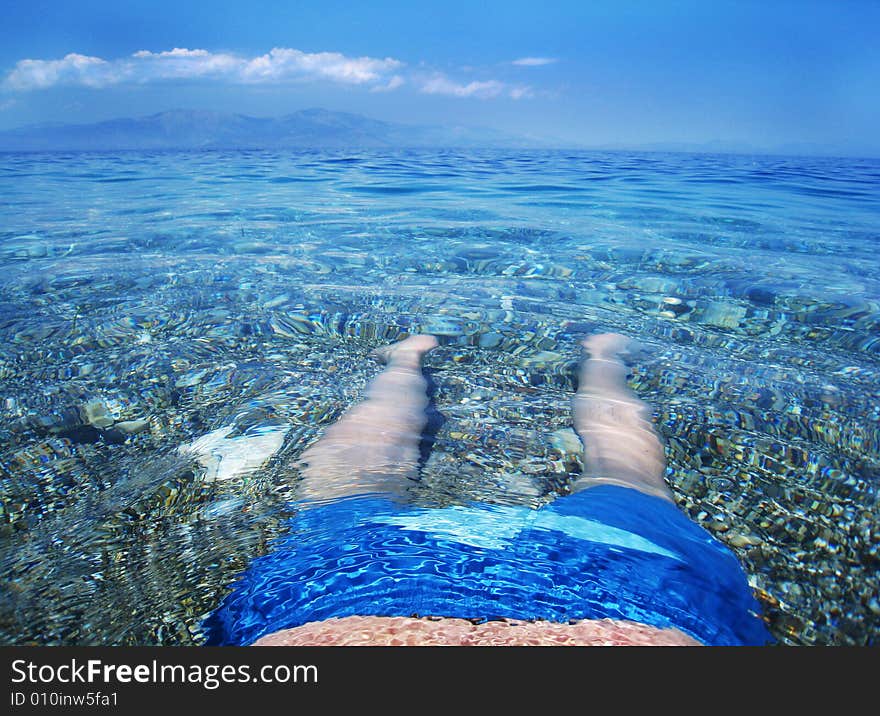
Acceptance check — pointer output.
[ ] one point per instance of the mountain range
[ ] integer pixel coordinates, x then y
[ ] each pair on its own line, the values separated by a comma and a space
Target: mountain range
324, 129
198, 129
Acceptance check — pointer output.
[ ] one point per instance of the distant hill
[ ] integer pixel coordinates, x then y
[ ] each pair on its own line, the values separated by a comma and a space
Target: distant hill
716, 146
190, 129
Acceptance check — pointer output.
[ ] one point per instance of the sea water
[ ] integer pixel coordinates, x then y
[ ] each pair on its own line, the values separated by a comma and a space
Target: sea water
177, 327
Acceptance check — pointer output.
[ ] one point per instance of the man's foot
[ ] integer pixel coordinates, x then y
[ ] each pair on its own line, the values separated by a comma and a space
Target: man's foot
409, 351
608, 346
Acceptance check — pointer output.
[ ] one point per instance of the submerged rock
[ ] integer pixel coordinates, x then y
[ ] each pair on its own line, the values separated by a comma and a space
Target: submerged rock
95, 413
226, 457
490, 340
476, 252
566, 441
724, 315
132, 427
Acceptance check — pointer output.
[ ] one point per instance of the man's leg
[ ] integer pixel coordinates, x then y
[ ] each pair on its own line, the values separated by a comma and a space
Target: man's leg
374, 446
620, 445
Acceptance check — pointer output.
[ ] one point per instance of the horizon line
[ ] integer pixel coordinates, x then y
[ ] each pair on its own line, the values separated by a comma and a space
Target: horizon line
700, 147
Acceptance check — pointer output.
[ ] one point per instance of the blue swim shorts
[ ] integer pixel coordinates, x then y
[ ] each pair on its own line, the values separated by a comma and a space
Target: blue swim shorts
604, 552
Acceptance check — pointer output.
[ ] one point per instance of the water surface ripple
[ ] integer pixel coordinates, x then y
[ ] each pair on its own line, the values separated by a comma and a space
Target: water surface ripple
150, 299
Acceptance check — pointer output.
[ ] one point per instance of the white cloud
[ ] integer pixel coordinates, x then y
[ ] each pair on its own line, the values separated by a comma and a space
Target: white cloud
279, 65
521, 93
440, 84
71, 69
176, 52
393, 84
284, 63
179, 63
534, 61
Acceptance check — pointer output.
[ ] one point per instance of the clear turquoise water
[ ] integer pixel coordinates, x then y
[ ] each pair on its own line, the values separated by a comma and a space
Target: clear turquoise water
197, 291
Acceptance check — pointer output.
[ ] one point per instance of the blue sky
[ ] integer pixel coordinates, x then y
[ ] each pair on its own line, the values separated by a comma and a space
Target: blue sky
767, 74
